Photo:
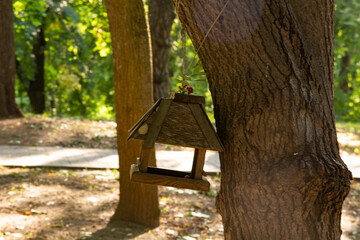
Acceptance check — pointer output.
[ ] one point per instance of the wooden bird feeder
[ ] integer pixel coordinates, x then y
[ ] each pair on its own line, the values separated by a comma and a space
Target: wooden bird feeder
180, 121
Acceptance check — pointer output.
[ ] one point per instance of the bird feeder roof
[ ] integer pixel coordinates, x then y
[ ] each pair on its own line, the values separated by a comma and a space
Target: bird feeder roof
179, 121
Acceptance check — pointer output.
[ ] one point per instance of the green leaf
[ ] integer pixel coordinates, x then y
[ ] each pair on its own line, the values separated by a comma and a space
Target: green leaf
200, 80
186, 83
198, 65
199, 74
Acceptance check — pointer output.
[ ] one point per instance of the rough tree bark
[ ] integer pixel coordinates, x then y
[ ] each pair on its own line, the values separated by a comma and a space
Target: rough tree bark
8, 107
161, 17
270, 70
133, 95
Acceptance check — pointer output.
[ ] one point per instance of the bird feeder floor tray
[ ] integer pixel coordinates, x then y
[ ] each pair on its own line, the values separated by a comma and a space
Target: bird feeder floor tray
167, 172
167, 177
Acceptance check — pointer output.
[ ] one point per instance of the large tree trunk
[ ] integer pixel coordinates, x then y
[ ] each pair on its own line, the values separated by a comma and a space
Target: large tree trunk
36, 90
161, 17
8, 107
270, 70
133, 96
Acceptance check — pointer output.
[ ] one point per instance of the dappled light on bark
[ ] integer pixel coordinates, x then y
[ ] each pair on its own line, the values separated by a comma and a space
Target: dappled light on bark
282, 176
133, 96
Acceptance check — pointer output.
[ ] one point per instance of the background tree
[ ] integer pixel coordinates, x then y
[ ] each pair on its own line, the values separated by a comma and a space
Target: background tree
8, 107
270, 71
78, 57
36, 89
161, 18
347, 60
31, 51
73, 37
133, 87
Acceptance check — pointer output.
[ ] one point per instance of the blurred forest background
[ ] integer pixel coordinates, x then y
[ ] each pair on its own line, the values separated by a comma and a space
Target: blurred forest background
66, 46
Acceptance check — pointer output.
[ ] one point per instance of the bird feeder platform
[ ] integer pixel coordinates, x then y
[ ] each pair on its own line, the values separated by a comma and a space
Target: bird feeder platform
180, 121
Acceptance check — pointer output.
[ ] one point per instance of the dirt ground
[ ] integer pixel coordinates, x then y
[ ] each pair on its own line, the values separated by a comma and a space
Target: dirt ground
69, 204
62, 132
46, 203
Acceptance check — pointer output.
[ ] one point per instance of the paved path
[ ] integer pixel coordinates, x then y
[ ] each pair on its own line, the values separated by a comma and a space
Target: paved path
95, 158
100, 158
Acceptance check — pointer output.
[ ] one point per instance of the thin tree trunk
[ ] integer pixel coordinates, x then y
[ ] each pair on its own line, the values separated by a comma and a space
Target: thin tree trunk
8, 107
270, 70
161, 17
133, 96
345, 63
36, 90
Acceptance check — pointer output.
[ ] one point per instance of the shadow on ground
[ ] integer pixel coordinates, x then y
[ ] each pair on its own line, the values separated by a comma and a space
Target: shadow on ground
121, 230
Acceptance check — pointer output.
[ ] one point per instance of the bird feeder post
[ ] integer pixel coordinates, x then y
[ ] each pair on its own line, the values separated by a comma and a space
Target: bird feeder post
198, 163
147, 155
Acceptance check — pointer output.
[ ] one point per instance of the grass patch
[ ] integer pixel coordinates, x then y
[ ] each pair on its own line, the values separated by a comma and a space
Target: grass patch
353, 127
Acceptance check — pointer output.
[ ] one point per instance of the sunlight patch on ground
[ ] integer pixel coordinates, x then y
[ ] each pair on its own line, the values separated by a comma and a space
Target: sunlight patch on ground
51, 203
349, 139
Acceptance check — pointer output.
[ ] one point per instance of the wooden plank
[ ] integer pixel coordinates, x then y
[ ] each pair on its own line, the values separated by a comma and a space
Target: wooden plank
157, 179
143, 119
147, 155
186, 98
206, 127
136, 134
181, 128
157, 123
198, 163
138, 161
133, 169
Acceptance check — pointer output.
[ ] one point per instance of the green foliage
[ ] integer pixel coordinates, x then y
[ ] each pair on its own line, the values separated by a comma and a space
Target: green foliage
195, 73
351, 127
347, 39
78, 68
195, 77
28, 18
347, 76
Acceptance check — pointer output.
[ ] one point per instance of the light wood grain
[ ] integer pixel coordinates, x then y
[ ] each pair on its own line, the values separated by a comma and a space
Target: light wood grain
157, 123
147, 155
143, 119
206, 127
198, 163
181, 128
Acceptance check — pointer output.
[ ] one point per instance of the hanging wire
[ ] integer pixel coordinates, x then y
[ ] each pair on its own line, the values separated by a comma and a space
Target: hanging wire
183, 42
183, 35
